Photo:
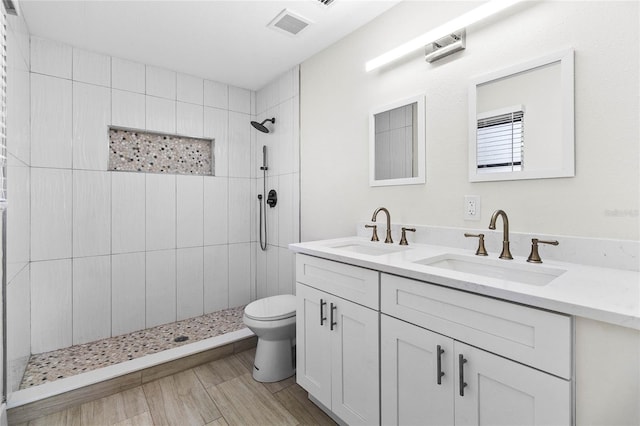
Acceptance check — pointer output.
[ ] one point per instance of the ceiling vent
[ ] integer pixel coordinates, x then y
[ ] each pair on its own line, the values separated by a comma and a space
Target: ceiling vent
326, 2
289, 22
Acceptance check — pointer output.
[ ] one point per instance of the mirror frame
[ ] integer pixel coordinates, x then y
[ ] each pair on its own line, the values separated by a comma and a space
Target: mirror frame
421, 142
567, 169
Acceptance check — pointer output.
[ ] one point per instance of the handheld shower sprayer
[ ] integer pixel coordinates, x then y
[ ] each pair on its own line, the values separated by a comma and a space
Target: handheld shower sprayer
263, 199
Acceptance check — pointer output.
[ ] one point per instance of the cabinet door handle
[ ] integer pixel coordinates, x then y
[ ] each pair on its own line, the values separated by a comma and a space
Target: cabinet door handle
439, 362
461, 362
333, 323
322, 317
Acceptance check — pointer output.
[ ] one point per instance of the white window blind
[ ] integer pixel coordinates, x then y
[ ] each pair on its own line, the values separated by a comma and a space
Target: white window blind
500, 142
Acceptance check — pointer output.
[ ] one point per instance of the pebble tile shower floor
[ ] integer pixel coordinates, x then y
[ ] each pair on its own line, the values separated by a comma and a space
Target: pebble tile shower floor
49, 366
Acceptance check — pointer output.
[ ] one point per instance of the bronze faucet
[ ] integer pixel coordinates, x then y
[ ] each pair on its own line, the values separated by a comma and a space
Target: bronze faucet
506, 253
388, 239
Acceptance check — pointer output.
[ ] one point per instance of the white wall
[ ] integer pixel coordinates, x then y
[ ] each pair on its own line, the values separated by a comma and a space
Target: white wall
114, 252
336, 95
275, 268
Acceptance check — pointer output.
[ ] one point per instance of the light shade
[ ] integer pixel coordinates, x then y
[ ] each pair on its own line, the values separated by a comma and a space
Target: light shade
479, 13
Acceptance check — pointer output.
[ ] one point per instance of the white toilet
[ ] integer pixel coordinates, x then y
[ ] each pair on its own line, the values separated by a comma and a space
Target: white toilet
273, 320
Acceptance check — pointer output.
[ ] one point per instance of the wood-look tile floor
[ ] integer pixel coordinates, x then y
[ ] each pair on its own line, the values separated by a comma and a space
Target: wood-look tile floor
221, 392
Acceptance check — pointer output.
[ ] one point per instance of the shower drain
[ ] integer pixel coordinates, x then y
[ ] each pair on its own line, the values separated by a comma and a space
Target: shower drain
181, 339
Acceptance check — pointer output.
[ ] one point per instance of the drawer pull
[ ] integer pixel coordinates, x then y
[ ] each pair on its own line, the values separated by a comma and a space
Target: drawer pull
333, 323
323, 318
439, 362
461, 362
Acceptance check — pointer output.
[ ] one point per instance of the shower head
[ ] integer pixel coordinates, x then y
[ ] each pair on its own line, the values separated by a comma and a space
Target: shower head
261, 127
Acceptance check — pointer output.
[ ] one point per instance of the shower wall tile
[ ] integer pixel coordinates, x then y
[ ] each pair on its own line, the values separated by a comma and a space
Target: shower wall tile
189, 211
161, 82
239, 145
285, 210
127, 75
295, 209
285, 140
272, 270
91, 213
127, 212
127, 109
18, 110
51, 206
51, 316
127, 293
261, 272
239, 274
189, 282
91, 299
253, 203
216, 212
91, 118
296, 135
216, 278
273, 225
160, 211
160, 115
51, 58
90, 67
19, 316
216, 94
18, 224
190, 89
286, 271
253, 279
190, 120
160, 287
18, 37
239, 100
216, 127
51, 113
239, 210
285, 85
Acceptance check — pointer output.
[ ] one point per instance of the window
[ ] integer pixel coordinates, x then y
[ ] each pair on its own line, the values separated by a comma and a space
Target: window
500, 140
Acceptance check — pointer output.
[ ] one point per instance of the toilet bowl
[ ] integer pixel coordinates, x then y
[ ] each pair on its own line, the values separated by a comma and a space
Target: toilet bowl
273, 320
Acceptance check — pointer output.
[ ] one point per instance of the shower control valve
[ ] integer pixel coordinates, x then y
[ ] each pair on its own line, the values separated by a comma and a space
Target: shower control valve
272, 198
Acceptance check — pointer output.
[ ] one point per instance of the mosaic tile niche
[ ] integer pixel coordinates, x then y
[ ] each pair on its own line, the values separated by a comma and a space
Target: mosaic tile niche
141, 151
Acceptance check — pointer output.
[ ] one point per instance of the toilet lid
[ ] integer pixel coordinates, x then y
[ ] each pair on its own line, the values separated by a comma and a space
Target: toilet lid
272, 308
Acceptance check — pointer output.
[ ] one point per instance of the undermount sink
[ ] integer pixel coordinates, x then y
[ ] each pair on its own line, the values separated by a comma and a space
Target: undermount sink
371, 249
495, 268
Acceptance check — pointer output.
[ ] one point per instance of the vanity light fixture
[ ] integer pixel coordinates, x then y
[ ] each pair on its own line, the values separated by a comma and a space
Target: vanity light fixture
445, 30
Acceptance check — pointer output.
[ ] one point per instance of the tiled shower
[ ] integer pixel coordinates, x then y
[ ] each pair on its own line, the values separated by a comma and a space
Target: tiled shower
94, 253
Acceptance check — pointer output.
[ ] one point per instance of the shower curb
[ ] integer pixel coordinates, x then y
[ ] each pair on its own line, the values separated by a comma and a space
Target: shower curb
32, 403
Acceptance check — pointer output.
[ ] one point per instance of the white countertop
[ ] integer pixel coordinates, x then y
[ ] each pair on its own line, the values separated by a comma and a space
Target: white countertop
603, 294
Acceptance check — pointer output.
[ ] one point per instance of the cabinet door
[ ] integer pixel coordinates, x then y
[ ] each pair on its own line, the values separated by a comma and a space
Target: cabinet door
503, 392
355, 363
313, 344
411, 394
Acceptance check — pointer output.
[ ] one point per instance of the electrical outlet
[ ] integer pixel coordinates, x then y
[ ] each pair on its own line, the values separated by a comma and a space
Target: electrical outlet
472, 207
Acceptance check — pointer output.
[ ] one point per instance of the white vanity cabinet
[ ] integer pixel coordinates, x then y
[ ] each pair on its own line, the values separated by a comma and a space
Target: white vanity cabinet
337, 340
475, 386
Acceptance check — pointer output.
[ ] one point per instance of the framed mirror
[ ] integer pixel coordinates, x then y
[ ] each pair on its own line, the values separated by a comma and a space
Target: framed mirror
521, 121
397, 143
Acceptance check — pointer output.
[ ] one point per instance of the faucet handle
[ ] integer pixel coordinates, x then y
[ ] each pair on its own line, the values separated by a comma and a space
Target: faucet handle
481, 251
534, 256
374, 236
403, 239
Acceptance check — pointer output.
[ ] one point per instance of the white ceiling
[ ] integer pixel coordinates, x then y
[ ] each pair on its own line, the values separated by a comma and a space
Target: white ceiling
225, 41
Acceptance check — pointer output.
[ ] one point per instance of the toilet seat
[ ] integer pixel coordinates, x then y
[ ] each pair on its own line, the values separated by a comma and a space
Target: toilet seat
272, 308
